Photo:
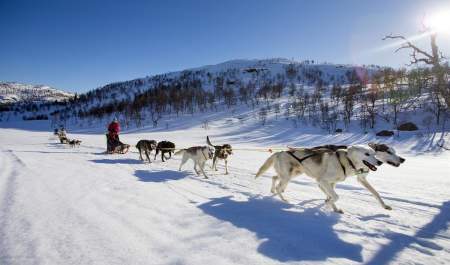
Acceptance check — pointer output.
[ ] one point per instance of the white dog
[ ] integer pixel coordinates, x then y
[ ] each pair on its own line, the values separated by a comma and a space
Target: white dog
198, 154
329, 165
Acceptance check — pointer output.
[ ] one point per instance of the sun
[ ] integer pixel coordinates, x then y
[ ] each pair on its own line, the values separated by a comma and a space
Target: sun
439, 22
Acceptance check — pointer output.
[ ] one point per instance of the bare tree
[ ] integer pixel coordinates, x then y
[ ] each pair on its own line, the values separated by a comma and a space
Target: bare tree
263, 115
155, 118
433, 59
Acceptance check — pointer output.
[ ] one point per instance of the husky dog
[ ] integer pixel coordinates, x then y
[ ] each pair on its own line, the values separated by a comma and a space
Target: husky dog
387, 154
383, 152
165, 147
326, 166
199, 154
74, 142
220, 152
146, 146
122, 148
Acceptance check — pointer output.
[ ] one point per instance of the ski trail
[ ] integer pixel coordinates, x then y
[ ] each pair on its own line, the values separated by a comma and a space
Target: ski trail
14, 247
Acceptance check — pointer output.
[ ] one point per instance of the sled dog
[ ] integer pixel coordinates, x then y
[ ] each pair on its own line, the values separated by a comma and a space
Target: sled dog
199, 154
220, 152
121, 148
329, 165
146, 147
74, 142
165, 147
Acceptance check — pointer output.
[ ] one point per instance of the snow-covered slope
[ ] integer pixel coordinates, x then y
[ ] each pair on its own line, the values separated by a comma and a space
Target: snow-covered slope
11, 92
62, 205
240, 72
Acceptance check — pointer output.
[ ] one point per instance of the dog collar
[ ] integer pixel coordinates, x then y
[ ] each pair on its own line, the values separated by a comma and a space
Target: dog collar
358, 171
361, 171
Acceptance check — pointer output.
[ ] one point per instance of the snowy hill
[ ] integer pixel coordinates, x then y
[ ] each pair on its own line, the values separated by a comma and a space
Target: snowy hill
63, 205
235, 73
210, 83
11, 93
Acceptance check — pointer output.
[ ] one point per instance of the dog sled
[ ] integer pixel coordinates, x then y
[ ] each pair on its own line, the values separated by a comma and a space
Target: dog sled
115, 146
61, 133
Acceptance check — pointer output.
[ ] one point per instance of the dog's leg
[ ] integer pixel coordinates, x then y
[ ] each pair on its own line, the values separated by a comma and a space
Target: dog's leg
331, 194
202, 166
324, 191
362, 179
148, 156
274, 184
156, 153
283, 188
279, 188
226, 167
162, 155
214, 165
140, 154
195, 168
183, 161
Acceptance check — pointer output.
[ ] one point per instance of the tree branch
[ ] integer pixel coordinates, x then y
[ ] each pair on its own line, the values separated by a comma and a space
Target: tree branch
416, 50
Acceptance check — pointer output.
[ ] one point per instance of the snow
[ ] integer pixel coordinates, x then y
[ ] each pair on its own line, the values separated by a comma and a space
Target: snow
11, 92
63, 205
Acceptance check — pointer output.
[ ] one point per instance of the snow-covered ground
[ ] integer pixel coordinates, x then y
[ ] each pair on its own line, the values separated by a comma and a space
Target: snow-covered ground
11, 92
62, 205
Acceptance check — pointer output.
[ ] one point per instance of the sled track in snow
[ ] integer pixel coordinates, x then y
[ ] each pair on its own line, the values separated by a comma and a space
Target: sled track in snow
10, 222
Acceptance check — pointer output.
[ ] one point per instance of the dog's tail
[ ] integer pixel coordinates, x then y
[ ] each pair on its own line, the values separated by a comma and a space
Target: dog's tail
208, 141
266, 165
180, 152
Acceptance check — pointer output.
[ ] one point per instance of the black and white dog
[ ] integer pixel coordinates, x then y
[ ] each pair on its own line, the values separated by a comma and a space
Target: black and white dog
220, 152
165, 147
146, 146
74, 142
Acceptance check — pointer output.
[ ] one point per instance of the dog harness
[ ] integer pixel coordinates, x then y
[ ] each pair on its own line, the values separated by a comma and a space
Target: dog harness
204, 155
342, 166
358, 171
300, 160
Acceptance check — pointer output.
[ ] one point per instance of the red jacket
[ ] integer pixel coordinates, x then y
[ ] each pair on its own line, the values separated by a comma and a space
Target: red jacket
114, 128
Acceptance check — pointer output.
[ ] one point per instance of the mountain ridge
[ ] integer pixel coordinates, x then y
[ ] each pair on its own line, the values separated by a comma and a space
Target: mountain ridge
15, 92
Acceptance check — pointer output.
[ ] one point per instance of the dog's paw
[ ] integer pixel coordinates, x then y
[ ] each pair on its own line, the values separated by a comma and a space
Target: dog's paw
387, 207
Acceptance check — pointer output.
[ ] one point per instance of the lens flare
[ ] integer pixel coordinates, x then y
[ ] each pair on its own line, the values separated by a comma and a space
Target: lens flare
439, 22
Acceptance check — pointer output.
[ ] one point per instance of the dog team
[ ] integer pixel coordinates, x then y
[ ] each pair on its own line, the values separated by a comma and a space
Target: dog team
198, 154
62, 136
327, 164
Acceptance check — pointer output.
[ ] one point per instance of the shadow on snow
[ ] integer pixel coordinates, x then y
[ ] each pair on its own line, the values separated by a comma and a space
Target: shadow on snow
159, 176
117, 161
399, 241
287, 235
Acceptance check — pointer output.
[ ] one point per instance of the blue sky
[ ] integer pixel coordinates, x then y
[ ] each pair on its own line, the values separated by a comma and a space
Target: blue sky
80, 45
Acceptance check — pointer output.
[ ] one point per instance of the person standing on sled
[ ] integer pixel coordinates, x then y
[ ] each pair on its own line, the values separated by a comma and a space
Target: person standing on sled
113, 136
